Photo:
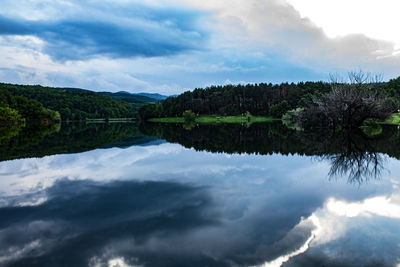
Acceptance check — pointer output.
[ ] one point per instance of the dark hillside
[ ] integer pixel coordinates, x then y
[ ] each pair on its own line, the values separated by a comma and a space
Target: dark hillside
73, 104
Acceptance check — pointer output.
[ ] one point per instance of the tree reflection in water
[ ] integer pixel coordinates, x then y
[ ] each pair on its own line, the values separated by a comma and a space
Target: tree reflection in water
351, 154
358, 166
77, 137
359, 158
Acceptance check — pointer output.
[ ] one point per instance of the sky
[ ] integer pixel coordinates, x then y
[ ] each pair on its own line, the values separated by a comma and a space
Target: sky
171, 46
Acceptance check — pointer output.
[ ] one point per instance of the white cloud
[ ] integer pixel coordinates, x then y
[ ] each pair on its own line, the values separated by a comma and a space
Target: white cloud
380, 206
376, 19
249, 41
276, 25
314, 221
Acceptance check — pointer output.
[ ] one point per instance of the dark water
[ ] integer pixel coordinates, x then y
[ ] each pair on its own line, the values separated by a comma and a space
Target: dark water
226, 195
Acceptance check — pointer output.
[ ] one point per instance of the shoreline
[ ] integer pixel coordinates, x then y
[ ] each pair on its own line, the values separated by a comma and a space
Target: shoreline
217, 119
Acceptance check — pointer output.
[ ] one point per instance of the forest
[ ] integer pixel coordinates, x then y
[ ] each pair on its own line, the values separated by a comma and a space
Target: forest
258, 99
18, 110
73, 104
277, 99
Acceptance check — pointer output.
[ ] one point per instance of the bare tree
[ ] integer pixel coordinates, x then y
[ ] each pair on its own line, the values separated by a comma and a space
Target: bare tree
349, 103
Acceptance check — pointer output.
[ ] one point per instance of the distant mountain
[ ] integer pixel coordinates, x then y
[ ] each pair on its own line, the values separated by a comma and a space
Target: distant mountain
135, 99
154, 96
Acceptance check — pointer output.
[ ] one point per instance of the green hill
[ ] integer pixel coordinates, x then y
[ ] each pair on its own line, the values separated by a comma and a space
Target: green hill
18, 110
74, 104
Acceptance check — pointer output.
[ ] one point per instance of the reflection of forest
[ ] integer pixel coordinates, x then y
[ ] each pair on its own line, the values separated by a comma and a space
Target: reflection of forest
350, 153
71, 138
269, 138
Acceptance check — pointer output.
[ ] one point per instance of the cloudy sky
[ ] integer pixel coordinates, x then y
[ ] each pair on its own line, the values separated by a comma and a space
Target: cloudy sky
169, 46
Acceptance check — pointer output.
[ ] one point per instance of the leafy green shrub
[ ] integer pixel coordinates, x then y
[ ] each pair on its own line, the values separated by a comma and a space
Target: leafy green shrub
188, 115
292, 119
371, 128
9, 116
278, 110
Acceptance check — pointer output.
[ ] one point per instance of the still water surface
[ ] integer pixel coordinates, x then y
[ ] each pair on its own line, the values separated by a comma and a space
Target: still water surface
229, 195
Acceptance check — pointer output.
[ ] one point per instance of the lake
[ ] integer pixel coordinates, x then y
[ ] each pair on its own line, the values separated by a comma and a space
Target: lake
199, 195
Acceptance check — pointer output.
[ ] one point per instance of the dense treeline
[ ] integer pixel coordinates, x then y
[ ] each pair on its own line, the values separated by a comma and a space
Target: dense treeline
18, 110
258, 99
73, 104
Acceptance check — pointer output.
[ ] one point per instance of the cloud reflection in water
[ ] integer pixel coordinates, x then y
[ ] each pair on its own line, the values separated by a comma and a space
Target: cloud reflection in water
169, 206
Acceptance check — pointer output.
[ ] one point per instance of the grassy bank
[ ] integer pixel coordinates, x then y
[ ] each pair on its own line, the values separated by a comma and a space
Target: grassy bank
111, 120
217, 119
393, 120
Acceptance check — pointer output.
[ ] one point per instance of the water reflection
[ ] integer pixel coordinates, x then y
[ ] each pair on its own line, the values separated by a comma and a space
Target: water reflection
70, 138
150, 223
355, 234
166, 205
359, 167
351, 154
154, 223
360, 158
81, 219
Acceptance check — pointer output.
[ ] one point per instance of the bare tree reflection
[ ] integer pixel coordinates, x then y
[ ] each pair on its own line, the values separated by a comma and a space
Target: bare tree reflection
358, 166
357, 159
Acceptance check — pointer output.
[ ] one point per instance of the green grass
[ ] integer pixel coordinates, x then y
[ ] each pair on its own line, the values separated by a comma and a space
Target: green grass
371, 131
110, 120
168, 120
393, 120
217, 119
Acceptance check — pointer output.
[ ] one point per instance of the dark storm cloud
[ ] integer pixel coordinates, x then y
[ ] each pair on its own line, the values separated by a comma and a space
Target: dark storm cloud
132, 32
